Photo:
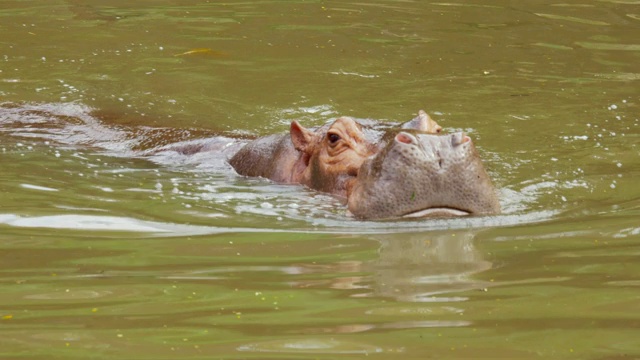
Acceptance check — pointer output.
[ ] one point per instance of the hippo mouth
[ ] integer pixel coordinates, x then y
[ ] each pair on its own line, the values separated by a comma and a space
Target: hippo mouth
437, 212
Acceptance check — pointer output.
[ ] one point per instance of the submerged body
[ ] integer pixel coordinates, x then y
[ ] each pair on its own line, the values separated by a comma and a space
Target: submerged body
421, 175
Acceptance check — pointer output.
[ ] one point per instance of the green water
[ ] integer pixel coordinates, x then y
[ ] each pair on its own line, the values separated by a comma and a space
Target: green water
105, 255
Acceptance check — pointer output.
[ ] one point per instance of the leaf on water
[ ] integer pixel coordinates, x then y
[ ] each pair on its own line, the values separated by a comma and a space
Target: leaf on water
203, 52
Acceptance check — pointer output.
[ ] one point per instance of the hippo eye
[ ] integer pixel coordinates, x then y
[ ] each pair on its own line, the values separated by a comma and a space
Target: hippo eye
333, 138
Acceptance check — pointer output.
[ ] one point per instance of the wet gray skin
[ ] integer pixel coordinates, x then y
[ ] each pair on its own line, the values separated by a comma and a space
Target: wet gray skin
422, 175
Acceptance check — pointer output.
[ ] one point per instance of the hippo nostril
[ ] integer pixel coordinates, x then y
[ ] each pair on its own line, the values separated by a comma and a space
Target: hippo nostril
404, 138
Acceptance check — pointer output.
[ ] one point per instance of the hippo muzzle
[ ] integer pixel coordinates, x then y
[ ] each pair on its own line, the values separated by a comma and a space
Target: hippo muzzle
422, 175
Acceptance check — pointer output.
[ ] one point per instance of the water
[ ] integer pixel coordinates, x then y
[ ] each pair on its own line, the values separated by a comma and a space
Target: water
108, 254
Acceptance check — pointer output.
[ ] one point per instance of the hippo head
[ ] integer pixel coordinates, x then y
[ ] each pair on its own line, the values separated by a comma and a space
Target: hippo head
333, 154
422, 175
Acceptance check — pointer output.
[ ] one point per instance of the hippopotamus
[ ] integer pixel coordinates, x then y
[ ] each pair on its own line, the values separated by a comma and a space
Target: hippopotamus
423, 175
378, 171
327, 159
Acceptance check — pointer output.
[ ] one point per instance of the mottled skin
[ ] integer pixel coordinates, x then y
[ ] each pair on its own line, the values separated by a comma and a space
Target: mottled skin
326, 159
423, 175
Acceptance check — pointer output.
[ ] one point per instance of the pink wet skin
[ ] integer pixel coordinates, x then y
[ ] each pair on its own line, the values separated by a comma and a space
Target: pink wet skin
330, 160
326, 159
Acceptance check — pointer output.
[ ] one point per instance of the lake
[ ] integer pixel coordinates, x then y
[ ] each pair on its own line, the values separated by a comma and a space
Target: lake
106, 254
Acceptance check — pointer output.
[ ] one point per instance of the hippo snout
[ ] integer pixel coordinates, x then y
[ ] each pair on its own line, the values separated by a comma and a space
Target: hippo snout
423, 175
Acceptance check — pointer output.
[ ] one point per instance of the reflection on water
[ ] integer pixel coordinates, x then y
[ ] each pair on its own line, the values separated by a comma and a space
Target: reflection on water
421, 268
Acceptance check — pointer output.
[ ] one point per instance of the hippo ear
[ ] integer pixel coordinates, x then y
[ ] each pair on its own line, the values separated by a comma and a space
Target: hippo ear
301, 137
427, 124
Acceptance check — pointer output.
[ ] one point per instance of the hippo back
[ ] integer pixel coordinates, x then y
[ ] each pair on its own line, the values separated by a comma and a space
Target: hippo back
272, 157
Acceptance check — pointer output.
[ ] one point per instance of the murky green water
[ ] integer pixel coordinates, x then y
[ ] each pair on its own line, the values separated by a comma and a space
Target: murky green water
104, 255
